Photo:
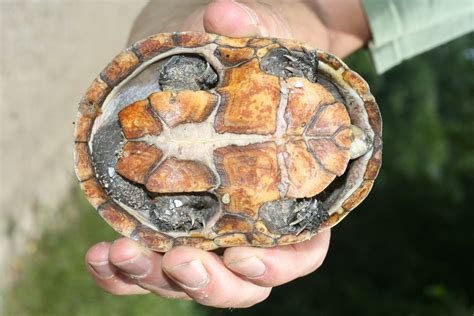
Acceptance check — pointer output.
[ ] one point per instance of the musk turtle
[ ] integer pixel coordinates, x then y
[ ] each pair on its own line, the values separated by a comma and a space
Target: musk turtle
203, 140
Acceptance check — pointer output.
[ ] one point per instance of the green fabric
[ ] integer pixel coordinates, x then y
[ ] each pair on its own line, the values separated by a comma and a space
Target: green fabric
404, 28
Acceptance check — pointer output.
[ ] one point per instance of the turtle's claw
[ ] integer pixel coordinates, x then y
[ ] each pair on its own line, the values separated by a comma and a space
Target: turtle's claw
291, 58
295, 71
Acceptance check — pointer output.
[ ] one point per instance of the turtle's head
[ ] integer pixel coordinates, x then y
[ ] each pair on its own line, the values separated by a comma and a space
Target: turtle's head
361, 143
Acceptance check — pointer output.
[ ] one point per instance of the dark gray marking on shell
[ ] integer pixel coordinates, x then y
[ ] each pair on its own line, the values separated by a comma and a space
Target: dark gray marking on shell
183, 211
187, 72
293, 216
286, 63
106, 146
180, 212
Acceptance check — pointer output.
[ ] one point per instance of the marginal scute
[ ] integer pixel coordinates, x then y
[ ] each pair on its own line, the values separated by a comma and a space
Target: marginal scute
137, 120
356, 81
358, 196
153, 45
82, 127
136, 161
184, 106
304, 100
89, 109
94, 192
260, 42
374, 165
232, 41
193, 39
334, 218
331, 118
96, 93
291, 238
332, 157
153, 239
174, 175
249, 174
330, 60
82, 162
293, 45
119, 68
232, 240
307, 177
250, 101
196, 242
375, 119
118, 218
261, 240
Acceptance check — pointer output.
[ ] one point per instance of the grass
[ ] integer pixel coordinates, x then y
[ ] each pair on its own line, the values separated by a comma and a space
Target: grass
52, 279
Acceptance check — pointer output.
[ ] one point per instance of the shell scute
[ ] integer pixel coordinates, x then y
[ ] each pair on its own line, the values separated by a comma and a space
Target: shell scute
174, 175
184, 106
250, 101
331, 118
136, 161
153, 45
82, 162
333, 158
233, 56
306, 175
249, 174
119, 68
137, 120
304, 100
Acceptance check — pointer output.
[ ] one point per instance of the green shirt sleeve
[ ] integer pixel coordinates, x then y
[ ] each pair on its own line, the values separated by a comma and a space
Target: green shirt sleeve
404, 28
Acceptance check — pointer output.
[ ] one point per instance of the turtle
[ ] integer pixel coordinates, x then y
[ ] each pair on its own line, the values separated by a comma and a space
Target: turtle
202, 140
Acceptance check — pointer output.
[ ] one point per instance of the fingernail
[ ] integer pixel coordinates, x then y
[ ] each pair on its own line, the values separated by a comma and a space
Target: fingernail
251, 267
102, 269
137, 267
191, 274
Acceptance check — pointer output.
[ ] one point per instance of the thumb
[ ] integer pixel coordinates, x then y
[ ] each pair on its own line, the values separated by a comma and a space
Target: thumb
236, 19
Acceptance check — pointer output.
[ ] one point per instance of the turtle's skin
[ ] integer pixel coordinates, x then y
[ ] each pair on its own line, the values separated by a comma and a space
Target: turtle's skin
208, 141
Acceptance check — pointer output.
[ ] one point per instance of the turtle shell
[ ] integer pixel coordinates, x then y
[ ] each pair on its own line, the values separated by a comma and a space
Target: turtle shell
203, 140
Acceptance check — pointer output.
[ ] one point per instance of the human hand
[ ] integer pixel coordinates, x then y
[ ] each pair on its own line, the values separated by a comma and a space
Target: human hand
242, 276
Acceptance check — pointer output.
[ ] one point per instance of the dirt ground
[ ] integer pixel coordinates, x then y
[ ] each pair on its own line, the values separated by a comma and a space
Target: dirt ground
51, 51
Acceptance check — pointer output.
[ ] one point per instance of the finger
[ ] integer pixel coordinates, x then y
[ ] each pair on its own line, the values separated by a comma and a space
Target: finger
106, 275
204, 277
279, 265
143, 267
236, 19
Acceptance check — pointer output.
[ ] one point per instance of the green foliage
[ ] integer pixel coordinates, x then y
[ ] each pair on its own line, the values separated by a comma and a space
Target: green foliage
53, 280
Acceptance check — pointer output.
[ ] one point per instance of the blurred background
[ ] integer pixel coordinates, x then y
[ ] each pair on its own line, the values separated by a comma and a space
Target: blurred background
407, 250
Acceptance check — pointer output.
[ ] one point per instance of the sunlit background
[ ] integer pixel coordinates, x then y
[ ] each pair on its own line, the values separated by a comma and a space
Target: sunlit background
407, 250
